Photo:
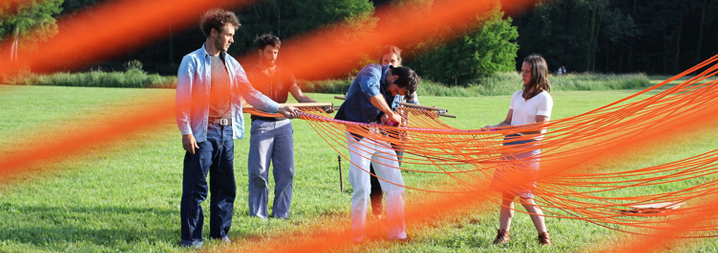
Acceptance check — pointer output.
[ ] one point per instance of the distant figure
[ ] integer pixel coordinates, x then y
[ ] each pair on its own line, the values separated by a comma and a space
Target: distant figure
563, 69
560, 71
531, 105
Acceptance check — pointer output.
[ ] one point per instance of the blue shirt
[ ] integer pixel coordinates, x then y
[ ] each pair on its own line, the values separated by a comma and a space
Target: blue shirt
370, 81
192, 97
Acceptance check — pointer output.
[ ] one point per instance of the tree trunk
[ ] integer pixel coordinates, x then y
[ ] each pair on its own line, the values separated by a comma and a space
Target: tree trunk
598, 33
700, 32
15, 44
279, 19
620, 61
590, 41
630, 56
678, 44
665, 53
171, 47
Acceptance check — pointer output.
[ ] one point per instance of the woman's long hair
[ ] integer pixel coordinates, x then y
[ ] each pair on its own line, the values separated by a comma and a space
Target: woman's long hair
390, 50
539, 76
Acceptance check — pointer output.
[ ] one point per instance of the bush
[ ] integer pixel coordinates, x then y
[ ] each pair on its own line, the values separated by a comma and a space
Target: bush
502, 83
599, 82
133, 78
333, 86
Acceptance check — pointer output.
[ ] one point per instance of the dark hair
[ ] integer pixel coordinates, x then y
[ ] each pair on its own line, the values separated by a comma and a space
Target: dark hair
390, 50
408, 79
217, 19
539, 76
268, 39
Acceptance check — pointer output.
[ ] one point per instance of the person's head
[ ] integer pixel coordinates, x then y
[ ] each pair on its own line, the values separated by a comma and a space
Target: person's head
534, 72
390, 55
218, 27
402, 81
268, 46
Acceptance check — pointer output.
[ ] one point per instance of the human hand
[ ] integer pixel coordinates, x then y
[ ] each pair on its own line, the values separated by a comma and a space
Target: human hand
329, 109
189, 143
289, 112
489, 128
392, 120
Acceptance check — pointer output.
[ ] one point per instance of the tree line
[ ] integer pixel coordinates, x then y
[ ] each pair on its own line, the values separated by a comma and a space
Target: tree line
610, 36
619, 36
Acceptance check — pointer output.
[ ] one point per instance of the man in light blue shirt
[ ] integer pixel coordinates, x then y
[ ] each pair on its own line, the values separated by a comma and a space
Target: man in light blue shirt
210, 88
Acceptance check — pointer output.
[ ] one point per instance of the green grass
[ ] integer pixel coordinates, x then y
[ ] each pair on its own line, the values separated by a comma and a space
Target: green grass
125, 196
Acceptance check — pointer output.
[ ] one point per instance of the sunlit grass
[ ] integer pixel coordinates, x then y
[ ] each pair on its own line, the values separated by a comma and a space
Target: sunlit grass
125, 196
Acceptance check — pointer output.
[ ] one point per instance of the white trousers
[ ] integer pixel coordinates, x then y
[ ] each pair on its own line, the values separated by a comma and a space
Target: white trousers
361, 154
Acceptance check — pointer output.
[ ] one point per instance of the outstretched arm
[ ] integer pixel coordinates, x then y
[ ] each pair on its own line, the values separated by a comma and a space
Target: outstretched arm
299, 95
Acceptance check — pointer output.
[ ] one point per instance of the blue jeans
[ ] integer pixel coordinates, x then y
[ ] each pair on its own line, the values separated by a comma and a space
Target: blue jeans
271, 141
215, 157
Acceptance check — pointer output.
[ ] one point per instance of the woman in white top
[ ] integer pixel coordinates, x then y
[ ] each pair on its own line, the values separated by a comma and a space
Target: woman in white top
531, 105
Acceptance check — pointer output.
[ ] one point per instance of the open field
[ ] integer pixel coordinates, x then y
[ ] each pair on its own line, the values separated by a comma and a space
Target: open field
125, 196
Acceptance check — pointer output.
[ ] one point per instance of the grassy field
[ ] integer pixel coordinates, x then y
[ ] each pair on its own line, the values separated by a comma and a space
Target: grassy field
125, 196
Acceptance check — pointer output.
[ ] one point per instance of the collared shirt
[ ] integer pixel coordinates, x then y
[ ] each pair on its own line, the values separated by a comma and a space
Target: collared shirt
370, 81
192, 96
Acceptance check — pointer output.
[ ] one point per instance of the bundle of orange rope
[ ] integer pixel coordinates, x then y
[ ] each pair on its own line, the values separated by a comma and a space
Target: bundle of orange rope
470, 157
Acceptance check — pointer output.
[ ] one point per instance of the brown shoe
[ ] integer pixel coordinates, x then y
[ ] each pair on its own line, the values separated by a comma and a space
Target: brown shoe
502, 236
544, 239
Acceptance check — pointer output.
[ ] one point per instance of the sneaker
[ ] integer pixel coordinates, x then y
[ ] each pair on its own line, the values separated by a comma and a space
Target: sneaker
502, 236
191, 244
225, 240
407, 239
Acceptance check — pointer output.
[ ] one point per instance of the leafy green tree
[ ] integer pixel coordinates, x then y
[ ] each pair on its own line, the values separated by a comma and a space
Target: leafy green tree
28, 23
293, 19
286, 18
486, 47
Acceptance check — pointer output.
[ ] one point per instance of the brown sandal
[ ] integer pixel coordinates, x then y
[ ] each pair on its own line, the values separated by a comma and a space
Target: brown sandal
544, 239
502, 236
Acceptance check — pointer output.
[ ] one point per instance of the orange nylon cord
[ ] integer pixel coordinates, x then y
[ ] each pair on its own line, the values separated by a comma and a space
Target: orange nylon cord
467, 157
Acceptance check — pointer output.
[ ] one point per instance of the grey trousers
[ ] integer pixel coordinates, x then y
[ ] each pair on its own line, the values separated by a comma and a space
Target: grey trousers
271, 141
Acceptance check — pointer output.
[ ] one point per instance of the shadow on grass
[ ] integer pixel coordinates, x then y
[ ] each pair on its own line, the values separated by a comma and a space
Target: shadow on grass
52, 227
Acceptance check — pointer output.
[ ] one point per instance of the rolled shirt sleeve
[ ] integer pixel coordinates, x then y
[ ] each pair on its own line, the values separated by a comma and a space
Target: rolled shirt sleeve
369, 81
183, 95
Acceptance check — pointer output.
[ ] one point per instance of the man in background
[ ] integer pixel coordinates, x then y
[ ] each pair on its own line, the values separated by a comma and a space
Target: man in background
271, 140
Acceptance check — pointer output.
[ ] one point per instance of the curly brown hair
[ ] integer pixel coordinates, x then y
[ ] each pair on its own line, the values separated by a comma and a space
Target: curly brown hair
217, 19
